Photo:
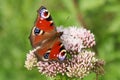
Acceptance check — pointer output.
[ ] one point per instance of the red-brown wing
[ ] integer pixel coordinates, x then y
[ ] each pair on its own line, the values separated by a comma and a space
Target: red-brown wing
43, 27
52, 49
44, 34
58, 51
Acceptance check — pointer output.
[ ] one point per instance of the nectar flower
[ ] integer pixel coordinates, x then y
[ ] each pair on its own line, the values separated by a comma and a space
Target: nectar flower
31, 60
51, 68
81, 65
75, 38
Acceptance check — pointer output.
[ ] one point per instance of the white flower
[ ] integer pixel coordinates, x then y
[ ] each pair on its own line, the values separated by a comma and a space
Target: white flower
76, 38
31, 60
81, 65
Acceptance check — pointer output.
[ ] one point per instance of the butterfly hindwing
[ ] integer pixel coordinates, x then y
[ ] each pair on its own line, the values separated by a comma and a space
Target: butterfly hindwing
44, 34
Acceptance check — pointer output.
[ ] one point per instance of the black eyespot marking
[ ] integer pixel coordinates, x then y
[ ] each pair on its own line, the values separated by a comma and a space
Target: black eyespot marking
62, 48
49, 18
51, 24
45, 13
42, 32
63, 53
46, 56
42, 7
36, 31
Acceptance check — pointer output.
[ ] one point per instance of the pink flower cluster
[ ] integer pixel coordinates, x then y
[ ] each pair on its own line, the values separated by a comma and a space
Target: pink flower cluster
51, 68
31, 60
75, 38
79, 65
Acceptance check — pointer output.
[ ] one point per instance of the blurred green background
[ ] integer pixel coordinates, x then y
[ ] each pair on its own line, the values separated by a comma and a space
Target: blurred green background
17, 17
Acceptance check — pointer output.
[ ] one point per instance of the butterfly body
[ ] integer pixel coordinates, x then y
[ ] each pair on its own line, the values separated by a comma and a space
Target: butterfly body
44, 35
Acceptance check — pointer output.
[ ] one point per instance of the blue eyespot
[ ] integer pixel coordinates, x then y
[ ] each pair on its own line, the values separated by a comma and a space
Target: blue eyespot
36, 31
46, 56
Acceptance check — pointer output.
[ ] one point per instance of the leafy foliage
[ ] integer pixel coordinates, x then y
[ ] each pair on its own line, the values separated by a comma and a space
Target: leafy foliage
17, 18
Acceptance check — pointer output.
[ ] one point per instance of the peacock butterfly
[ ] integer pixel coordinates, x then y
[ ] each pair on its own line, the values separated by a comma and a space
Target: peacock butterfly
45, 39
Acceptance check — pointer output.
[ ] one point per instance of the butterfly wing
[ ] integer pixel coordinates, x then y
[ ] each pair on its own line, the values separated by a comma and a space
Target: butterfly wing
44, 34
43, 27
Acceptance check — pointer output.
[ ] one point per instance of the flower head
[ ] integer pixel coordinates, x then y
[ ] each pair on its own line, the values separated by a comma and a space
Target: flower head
31, 60
75, 38
80, 65
51, 68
